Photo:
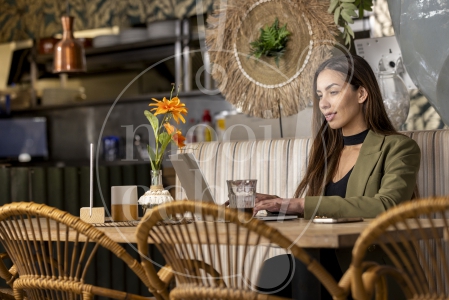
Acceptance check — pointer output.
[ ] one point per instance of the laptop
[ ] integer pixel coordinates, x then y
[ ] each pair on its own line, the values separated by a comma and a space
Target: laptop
196, 187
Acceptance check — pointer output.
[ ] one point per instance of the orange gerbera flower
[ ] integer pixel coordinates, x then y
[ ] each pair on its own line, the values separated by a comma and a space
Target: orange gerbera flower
179, 139
176, 135
173, 106
170, 128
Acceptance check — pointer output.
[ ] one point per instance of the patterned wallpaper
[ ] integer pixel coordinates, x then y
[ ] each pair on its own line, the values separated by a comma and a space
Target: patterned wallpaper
23, 19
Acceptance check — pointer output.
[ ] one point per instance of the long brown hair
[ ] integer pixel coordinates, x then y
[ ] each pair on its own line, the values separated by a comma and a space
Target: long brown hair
328, 142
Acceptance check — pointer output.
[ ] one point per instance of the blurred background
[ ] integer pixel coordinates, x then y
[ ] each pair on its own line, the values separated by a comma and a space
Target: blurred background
134, 51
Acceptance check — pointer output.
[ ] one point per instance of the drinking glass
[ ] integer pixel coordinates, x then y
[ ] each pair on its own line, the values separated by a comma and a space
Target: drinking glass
242, 194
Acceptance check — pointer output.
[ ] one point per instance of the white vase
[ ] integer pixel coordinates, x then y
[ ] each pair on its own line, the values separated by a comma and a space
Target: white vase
156, 195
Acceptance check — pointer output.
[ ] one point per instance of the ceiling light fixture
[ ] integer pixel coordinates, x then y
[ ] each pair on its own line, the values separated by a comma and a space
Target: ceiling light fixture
69, 54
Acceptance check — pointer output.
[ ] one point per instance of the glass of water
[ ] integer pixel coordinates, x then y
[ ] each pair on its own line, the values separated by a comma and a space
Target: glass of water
242, 194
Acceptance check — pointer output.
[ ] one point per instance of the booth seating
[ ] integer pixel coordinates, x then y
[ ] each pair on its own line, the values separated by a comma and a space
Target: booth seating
279, 165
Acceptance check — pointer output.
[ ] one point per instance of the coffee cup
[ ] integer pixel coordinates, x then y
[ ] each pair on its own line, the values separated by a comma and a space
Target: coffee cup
124, 203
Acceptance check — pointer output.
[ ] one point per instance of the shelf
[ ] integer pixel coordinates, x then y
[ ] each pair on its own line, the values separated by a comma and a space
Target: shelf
117, 57
42, 58
168, 57
138, 98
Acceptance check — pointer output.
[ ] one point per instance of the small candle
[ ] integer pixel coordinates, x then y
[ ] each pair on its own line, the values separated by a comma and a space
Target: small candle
91, 178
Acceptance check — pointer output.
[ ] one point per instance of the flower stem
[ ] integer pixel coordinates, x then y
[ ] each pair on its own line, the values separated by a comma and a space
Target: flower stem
171, 93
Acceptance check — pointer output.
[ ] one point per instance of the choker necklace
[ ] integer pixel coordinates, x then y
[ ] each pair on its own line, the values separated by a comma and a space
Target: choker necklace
355, 139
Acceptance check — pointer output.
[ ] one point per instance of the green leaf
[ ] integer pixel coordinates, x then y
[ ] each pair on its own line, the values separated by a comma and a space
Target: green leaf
348, 40
347, 17
164, 140
348, 1
333, 5
351, 13
348, 6
152, 157
337, 15
367, 4
349, 30
271, 42
153, 121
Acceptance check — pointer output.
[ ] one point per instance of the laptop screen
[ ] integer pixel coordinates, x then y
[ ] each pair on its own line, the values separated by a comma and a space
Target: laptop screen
191, 177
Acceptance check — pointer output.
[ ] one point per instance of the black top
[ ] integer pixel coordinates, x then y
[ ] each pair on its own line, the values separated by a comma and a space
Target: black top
355, 139
339, 188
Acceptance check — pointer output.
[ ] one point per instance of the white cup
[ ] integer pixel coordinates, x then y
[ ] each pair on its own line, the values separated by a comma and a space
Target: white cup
124, 203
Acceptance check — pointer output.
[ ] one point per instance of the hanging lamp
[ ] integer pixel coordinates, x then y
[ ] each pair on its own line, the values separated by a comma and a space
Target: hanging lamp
69, 53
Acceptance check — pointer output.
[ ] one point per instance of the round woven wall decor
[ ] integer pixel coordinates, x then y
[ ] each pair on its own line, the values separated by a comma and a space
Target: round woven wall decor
259, 86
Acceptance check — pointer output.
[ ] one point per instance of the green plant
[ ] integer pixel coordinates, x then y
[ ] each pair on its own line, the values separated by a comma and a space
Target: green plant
271, 42
163, 131
345, 10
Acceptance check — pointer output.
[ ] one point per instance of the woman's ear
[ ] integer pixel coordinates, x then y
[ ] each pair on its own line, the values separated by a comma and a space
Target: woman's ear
362, 94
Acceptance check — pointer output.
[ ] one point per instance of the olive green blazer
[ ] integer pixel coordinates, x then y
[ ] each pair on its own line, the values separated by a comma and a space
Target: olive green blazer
384, 175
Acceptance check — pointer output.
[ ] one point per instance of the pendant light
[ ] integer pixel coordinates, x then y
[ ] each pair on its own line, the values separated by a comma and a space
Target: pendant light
69, 53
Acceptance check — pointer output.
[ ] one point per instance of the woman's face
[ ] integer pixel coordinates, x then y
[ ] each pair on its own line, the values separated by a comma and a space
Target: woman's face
340, 104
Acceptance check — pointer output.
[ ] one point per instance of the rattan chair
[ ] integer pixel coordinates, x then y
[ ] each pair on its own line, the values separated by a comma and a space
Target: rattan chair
216, 259
420, 262
9, 275
56, 267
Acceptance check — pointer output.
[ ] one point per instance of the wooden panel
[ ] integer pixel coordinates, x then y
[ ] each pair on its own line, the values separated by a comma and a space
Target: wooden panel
5, 185
20, 184
129, 175
55, 186
38, 185
71, 190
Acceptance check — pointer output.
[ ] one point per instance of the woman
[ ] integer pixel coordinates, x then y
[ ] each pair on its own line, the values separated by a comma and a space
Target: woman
359, 165
358, 162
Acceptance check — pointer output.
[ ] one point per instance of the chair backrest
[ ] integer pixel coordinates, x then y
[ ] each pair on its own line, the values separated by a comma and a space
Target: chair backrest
420, 276
53, 253
219, 256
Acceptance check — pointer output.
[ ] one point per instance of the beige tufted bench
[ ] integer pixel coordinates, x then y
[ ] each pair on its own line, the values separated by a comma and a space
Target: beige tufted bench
279, 165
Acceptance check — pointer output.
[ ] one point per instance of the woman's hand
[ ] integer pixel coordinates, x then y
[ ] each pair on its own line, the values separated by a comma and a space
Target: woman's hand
259, 197
275, 204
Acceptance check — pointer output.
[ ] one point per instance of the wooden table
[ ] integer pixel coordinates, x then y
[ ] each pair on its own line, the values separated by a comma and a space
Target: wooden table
303, 232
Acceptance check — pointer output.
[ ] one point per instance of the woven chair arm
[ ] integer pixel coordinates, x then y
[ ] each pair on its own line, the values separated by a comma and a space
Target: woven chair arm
8, 275
201, 292
113, 294
374, 280
166, 274
87, 290
345, 281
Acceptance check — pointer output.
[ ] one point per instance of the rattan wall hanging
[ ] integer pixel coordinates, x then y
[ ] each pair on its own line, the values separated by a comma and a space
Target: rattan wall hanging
259, 86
